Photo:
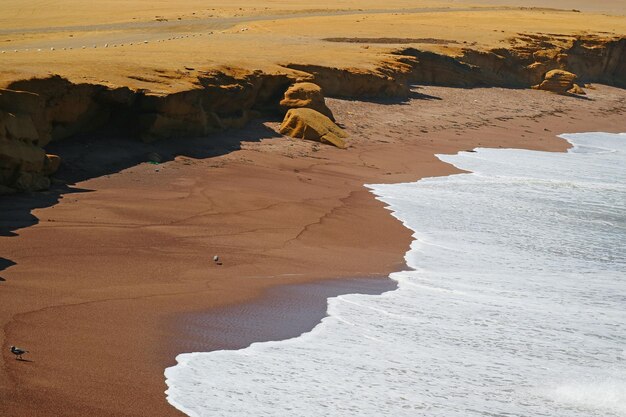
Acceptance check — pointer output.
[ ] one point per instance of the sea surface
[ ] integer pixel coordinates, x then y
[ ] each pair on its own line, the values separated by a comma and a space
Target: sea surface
515, 305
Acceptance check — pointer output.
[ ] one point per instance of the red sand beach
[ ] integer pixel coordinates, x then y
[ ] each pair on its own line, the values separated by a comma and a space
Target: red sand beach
99, 284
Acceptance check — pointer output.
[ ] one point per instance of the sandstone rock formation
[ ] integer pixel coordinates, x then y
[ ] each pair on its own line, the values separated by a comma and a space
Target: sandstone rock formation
389, 80
22, 161
51, 164
34, 112
591, 58
309, 124
558, 81
22, 166
576, 89
305, 94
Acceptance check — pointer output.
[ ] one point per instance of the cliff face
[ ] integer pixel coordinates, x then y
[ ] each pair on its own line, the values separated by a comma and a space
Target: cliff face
220, 101
389, 80
524, 64
37, 111
598, 61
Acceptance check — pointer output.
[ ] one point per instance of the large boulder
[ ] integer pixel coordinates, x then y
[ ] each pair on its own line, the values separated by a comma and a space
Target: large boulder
21, 102
22, 165
27, 111
307, 95
559, 81
18, 126
310, 124
15, 154
51, 164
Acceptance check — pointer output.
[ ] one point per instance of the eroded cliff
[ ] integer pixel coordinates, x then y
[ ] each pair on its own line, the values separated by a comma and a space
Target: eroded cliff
37, 111
524, 63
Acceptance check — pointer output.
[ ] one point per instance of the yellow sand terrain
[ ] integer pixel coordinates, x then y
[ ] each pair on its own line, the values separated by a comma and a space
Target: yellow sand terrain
158, 45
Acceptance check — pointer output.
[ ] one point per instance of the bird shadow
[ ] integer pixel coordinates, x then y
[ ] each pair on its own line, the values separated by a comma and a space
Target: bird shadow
24, 360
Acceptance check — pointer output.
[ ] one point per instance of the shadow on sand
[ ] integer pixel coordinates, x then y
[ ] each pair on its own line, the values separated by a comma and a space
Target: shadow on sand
108, 152
414, 94
105, 153
4, 264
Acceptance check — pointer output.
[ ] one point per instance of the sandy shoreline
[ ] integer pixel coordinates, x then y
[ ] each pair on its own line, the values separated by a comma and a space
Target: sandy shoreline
102, 278
280, 313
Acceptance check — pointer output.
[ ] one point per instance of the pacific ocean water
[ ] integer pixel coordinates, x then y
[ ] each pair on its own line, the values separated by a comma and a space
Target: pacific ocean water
514, 305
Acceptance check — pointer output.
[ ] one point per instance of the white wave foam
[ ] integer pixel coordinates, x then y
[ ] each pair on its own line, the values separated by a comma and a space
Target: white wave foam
607, 394
515, 305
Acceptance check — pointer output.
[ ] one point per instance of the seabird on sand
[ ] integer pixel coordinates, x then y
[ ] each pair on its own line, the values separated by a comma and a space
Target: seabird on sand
18, 352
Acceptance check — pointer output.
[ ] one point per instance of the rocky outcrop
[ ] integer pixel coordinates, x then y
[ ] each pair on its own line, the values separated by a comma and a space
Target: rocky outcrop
22, 161
21, 166
51, 164
524, 64
307, 95
37, 111
309, 124
597, 60
576, 89
221, 101
24, 166
559, 81
63, 109
389, 80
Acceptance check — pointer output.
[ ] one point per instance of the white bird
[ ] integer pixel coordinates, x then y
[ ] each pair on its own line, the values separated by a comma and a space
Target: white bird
18, 352
216, 258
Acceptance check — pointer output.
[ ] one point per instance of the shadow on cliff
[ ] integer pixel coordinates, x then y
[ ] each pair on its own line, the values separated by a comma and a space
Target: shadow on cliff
108, 152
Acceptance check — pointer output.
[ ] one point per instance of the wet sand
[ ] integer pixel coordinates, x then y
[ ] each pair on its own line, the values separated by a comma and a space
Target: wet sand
108, 285
280, 313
